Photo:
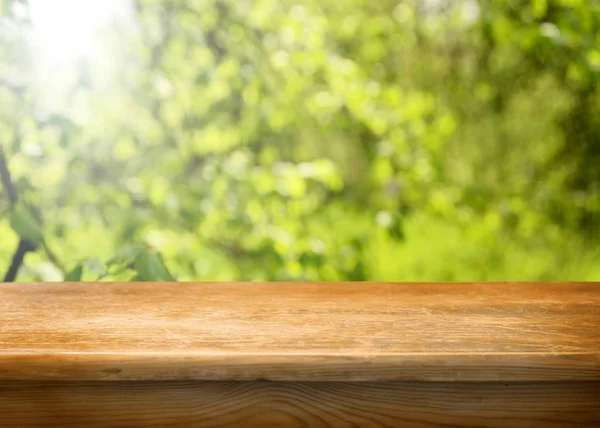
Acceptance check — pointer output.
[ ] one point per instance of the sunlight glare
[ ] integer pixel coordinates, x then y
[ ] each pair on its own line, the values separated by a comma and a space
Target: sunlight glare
65, 31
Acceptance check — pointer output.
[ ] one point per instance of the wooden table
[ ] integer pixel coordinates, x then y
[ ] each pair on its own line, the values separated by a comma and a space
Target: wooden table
300, 354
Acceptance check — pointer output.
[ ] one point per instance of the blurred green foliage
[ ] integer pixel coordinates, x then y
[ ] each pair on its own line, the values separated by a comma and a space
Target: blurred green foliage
308, 140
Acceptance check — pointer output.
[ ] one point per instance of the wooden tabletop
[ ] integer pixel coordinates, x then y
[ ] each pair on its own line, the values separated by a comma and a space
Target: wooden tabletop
300, 331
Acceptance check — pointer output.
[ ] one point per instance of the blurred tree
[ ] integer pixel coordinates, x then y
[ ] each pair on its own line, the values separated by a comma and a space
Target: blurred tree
276, 140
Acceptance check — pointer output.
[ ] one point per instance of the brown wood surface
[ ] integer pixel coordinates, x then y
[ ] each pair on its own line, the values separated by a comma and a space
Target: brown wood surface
300, 331
300, 404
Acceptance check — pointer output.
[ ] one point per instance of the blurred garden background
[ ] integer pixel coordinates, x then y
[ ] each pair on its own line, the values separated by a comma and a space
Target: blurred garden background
404, 140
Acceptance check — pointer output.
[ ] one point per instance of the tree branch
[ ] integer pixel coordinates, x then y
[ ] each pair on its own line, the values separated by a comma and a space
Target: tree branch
7, 181
24, 246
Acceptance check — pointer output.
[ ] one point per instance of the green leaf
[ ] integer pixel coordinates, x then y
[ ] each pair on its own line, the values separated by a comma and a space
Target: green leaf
150, 267
75, 274
539, 8
396, 230
25, 225
127, 254
94, 266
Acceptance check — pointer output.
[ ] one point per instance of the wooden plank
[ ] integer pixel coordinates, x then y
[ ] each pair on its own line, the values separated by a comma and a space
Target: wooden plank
300, 331
300, 404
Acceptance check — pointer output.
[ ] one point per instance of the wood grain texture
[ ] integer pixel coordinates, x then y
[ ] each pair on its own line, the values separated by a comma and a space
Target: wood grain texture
300, 331
300, 404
